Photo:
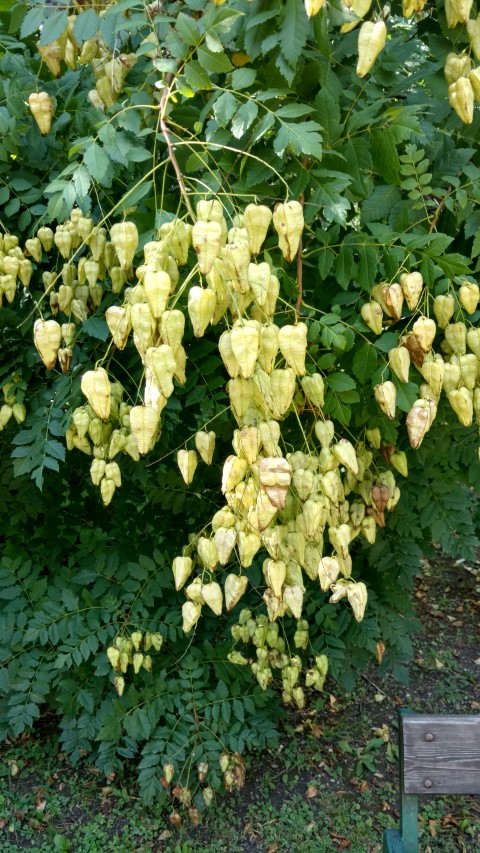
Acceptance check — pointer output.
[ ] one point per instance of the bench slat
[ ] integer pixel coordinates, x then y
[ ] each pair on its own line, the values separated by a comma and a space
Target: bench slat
441, 754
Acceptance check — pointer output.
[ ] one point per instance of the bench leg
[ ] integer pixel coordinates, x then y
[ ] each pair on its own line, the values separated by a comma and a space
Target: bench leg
392, 841
409, 822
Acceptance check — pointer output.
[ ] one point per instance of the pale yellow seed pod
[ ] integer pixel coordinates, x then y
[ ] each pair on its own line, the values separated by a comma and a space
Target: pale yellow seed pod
371, 41
124, 236
157, 291
386, 396
393, 300
227, 354
444, 309
190, 615
206, 238
456, 337
201, 308
119, 324
172, 327
235, 586
241, 393
236, 259
473, 341
205, 444
412, 286
282, 388
245, 341
461, 98
372, 315
144, 423
225, 539
269, 345
257, 219
457, 65
182, 569
161, 362
95, 384
457, 12
424, 330
288, 222
234, 470
399, 362
187, 461
314, 389
41, 105
469, 296
461, 402
212, 593
419, 421
47, 336
293, 346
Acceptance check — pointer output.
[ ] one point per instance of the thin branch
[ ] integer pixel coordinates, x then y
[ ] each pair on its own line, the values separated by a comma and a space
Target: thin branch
440, 206
171, 152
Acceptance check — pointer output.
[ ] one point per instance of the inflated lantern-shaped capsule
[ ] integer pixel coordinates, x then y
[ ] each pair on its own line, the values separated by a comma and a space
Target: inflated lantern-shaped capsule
372, 315
236, 258
288, 222
399, 362
393, 299
157, 291
144, 421
205, 444
456, 337
443, 308
119, 324
212, 593
161, 361
313, 388
95, 384
386, 396
269, 344
256, 219
461, 97
344, 451
201, 308
234, 588
41, 105
63, 240
227, 354
182, 569
469, 296
293, 346
372, 38
124, 236
283, 388
47, 336
412, 286
419, 421
225, 539
461, 402
245, 340
424, 330
172, 327
206, 238
177, 236
325, 430
45, 235
187, 461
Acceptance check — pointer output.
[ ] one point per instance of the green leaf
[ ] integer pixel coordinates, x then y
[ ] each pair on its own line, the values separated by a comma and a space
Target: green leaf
32, 21
244, 117
214, 63
454, 264
303, 138
378, 206
327, 189
53, 27
187, 29
196, 76
367, 266
86, 25
294, 31
407, 393
242, 78
364, 361
340, 382
98, 164
225, 108
96, 327
385, 155
344, 266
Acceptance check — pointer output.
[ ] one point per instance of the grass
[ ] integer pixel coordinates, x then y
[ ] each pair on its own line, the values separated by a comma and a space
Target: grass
331, 786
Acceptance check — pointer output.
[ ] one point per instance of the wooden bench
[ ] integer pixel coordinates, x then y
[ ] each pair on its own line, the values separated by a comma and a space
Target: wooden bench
439, 754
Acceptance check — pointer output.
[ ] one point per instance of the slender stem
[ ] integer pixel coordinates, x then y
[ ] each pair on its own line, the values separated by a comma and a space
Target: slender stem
440, 206
168, 140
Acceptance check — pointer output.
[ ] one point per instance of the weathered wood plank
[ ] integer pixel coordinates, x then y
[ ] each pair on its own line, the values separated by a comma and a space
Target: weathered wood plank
441, 753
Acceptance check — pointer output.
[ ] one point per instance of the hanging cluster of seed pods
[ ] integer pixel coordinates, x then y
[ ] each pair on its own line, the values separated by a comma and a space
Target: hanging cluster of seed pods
454, 369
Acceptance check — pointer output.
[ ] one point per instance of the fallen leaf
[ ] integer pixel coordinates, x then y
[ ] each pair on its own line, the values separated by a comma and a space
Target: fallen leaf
272, 848
363, 786
316, 730
312, 791
432, 825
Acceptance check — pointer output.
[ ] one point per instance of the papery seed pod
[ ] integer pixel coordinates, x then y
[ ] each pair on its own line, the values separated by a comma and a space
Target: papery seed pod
325, 430
97, 471
293, 599
180, 362
274, 572
157, 291
269, 432
172, 327
245, 341
469, 368
47, 336
143, 324
345, 453
457, 12
269, 345
177, 236
190, 615
314, 388
112, 471
234, 470
372, 315
124, 236
456, 337
461, 98
45, 235
207, 551
201, 309
451, 377
432, 370
41, 105
95, 384
235, 586
236, 259
206, 239
293, 346
288, 222
182, 569
473, 341
33, 247
119, 324
241, 393
63, 240
303, 480
399, 362
386, 396
424, 330
205, 444
371, 41
328, 572
257, 219
161, 362
393, 299
187, 461
461, 402
248, 544
212, 593
399, 462
419, 420
469, 296
107, 490
69, 331
282, 384
246, 443
357, 598
443, 308
457, 65
194, 591
144, 423
225, 539
25, 271
474, 78
65, 356
227, 354
412, 285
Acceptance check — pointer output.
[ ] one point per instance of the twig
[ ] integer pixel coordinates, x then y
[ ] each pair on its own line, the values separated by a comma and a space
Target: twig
298, 304
438, 211
171, 152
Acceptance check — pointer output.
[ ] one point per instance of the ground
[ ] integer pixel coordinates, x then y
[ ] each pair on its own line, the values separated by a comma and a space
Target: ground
331, 786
